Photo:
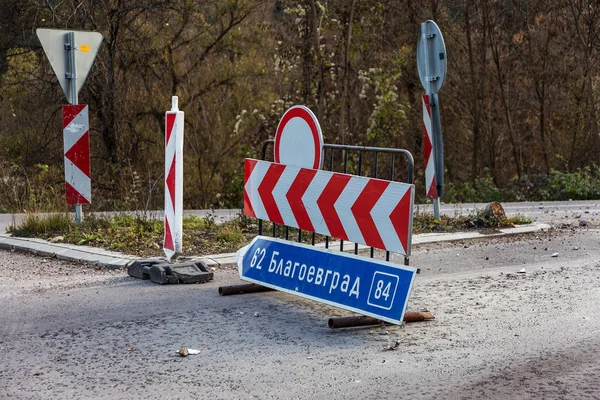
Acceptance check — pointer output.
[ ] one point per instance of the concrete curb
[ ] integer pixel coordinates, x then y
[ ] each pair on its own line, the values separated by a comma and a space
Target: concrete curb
114, 260
68, 252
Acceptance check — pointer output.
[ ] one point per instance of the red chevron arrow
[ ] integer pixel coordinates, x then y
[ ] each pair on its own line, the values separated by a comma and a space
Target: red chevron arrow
361, 209
326, 202
170, 182
400, 218
79, 154
427, 146
265, 191
294, 198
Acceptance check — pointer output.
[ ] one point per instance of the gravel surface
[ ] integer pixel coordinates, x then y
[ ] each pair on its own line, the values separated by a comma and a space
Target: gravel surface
512, 321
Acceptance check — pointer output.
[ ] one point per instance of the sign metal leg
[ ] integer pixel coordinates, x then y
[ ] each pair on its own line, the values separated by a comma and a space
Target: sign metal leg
436, 208
78, 214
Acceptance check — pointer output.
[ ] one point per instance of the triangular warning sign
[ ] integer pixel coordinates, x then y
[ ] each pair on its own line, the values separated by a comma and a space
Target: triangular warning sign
57, 46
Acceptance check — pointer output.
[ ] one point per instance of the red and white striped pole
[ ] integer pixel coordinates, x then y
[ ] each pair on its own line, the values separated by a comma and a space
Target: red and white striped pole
172, 244
76, 138
429, 150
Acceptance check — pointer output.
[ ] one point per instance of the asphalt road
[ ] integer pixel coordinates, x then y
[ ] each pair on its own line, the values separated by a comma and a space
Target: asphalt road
77, 332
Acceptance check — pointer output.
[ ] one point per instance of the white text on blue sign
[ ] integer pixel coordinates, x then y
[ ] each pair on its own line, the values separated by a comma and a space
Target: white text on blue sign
366, 286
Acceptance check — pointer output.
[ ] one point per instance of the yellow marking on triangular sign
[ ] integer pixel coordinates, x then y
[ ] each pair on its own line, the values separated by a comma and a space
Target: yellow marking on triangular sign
85, 48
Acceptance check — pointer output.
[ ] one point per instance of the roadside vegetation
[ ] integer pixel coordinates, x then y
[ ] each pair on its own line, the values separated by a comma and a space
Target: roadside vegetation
519, 104
582, 184
142, 234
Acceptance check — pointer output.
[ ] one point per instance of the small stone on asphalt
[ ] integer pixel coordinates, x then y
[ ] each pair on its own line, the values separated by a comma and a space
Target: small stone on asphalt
183, 352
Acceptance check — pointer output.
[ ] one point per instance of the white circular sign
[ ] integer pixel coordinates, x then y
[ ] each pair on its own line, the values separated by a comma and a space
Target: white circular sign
299, 140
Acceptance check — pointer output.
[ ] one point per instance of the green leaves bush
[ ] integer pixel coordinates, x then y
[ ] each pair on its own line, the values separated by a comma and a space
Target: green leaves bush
582, 184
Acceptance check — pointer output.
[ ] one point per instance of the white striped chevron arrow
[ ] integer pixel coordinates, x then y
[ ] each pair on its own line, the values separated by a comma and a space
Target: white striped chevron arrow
363, 210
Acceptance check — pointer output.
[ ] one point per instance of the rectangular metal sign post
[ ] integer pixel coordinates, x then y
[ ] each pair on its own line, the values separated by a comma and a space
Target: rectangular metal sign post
72, 77
173, 238
76, 138
366, 286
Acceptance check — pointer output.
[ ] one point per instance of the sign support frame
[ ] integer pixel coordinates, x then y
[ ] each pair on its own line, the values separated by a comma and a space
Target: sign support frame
71, 75
434, 111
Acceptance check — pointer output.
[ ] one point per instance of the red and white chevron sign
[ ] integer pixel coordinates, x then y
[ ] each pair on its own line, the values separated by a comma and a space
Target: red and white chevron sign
363, 210
172, 245
76, 139
428, 150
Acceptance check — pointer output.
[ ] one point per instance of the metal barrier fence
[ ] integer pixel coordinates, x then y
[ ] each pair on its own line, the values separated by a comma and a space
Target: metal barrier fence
374, 162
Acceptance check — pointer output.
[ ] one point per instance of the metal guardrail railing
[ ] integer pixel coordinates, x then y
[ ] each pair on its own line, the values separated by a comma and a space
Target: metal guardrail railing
374, 162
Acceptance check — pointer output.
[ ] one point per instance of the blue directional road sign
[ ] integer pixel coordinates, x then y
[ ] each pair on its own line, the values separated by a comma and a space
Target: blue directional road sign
366, 286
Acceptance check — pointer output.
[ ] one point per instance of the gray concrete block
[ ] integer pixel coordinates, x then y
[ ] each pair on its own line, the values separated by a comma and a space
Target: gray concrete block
77, 256
5, 245
115, 263
110, 262
36, 240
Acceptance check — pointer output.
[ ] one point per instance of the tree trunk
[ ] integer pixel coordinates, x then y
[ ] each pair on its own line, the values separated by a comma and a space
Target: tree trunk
319, 60
108, 112
475, 107
542, 101
342, 123
514, 140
